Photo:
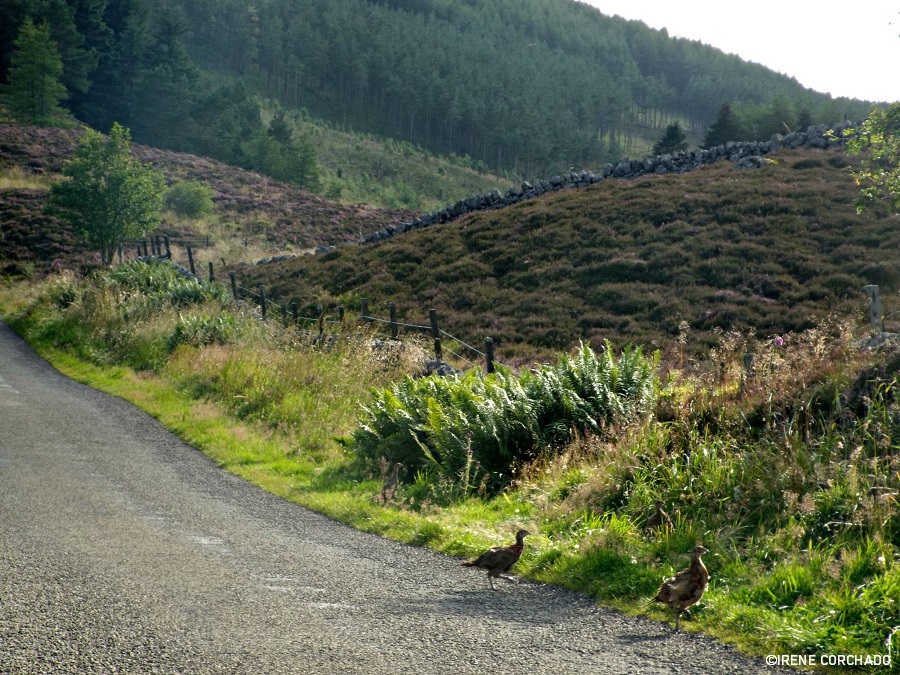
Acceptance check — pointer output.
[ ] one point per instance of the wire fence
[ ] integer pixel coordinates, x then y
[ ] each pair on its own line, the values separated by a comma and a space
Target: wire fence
289, 313
161, 247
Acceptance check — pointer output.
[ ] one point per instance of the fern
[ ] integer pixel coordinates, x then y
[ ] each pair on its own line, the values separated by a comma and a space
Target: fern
478, 426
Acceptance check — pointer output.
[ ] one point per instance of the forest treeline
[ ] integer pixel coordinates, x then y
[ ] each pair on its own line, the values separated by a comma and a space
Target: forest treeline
525, 86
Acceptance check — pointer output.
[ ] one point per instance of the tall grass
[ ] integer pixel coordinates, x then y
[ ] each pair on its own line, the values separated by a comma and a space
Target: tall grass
15, 178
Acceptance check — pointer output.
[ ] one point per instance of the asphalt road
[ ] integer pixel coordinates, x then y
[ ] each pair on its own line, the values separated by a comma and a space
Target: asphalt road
124, 550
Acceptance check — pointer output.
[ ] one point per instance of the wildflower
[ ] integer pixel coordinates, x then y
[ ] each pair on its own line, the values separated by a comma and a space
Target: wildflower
779, 341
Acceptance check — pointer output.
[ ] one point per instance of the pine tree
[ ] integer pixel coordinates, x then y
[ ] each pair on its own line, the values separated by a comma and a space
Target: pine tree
35, 90
724, 129
672, 141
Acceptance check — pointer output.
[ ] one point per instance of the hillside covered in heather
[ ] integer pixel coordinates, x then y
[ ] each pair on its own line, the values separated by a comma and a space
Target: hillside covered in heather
652, 260
658, 260
250, 206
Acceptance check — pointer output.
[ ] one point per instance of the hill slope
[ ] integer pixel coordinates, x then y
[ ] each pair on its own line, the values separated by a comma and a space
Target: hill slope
256, 207
766, 250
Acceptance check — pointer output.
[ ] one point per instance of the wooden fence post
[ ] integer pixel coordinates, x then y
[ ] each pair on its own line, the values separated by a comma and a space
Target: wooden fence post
436, 334
262, 301
489, 355
120, 254
211, 277
234, 288
168, 250
295, 311
145, 248
283, 304
876, 313
158, 246
191, 260
394, 328
321, 319
341, 314
363, 309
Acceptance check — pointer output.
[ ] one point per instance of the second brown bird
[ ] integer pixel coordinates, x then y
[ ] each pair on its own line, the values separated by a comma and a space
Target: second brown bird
500, 559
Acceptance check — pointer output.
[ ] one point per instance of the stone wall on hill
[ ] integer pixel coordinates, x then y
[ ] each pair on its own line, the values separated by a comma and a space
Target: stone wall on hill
743, 154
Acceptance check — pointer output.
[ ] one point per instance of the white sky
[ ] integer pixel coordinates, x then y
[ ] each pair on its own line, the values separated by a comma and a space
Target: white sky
841, 48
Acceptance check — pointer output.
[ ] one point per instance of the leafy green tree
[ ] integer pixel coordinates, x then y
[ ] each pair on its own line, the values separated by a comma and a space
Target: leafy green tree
724, 129
878, 139
109, 196
672, 141
35, 90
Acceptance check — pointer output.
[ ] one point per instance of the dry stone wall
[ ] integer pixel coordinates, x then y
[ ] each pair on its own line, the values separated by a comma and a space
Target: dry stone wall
743, 154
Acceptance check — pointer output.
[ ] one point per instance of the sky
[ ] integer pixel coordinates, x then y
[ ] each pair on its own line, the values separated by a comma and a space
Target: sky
847, 49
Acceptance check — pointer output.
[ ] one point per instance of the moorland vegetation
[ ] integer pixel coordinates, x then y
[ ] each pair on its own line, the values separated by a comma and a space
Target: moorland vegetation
653, 262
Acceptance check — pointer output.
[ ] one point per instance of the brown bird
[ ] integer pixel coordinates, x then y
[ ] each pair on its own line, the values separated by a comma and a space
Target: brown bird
500, 559
659, 518
392, 485
685, 588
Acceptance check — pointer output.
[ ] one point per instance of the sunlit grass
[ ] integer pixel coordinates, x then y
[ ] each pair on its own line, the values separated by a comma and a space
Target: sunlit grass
15, 177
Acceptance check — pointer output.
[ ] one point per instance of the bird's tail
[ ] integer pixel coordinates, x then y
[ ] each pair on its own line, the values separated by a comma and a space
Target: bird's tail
468, 563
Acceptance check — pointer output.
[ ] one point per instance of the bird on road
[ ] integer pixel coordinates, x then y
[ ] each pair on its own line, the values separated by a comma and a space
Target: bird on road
685, 588
659, 518
500, 559
392, 485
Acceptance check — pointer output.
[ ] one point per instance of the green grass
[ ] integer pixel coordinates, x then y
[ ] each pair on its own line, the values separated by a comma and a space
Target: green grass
357, 167
789, 477
15, 178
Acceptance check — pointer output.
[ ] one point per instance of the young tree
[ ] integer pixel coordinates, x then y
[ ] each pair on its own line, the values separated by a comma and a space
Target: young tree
724, 129
274, 152
672, 141
879, 174
301, 164
109, 196
35, 90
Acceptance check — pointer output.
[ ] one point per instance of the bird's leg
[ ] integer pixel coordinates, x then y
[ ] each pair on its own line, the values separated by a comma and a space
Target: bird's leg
491, 582
677, 619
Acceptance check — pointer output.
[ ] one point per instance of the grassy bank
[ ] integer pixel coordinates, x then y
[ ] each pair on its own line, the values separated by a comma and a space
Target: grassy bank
788, 472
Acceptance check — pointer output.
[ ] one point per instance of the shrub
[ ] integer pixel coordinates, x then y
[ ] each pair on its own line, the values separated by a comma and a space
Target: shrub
161, 283
189, 199
202, 329
477, 428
